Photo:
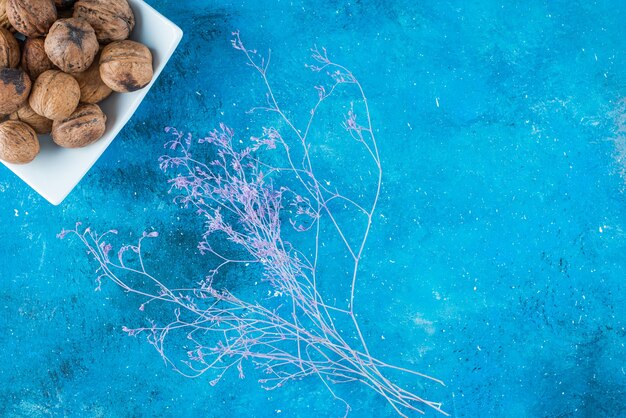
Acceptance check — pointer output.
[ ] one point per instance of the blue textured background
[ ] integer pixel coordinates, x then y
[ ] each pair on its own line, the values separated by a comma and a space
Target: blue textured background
500, 256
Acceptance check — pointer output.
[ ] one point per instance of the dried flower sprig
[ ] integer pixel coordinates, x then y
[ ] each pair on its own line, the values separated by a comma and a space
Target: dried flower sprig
245, 199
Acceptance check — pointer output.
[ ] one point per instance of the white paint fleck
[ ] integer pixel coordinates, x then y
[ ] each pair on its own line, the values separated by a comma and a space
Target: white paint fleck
43, 255
426, 325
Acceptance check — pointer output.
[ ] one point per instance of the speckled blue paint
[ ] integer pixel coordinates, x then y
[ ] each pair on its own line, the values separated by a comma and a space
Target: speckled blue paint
499, 253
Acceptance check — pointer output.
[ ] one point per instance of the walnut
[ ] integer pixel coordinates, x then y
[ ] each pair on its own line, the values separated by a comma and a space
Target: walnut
34, 58
31, 17
14, 89
85, 126
18, 142
113, 20
9, 49
71, 45
126, 66
55, 95
92, 88
26, 114
4, 21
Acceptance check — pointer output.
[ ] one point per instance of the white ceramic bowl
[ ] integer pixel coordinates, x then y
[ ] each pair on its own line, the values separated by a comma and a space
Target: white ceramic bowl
56, 171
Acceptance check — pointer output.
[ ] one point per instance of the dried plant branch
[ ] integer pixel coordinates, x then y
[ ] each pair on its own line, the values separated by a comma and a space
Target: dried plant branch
243, 199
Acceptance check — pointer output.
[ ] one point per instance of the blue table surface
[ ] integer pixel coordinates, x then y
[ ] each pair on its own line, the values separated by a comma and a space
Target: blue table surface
499, 250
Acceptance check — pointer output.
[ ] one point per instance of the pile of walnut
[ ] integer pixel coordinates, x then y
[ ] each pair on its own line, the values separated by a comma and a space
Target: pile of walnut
70, 56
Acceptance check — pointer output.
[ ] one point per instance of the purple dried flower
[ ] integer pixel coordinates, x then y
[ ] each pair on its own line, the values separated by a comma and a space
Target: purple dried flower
242, 198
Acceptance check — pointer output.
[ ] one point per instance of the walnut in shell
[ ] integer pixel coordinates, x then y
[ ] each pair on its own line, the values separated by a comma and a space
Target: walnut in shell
31, 17
4, 21
113, 20
9, 49
85, 126
34, 58
14, 89
55, 95
26, 114
126, 66
71, 45
18, 142
92, 88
